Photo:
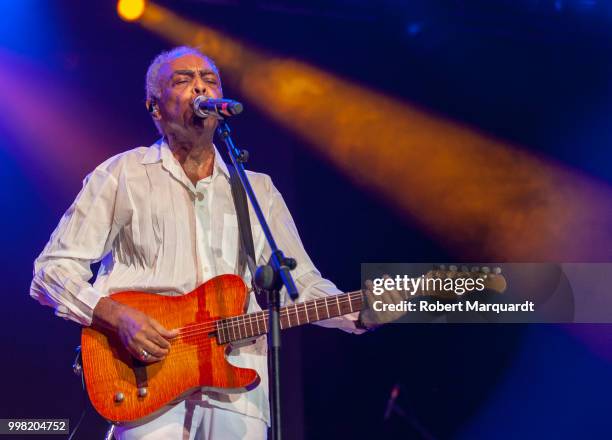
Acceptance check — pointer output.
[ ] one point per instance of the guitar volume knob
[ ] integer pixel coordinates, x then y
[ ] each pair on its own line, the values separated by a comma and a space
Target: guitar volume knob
142, 391
119, 396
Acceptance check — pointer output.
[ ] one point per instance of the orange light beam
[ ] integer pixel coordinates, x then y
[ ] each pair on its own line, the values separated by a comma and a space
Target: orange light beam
485, 197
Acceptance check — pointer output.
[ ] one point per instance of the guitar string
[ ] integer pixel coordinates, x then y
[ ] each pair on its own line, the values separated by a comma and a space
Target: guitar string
242, 321
235, 322
284, 310
185, 343
232, 323
240, 331
192, 337
191, 332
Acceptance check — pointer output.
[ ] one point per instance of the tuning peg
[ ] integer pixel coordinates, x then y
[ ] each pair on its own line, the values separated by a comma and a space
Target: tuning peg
485, 269
497, 270
475, 269
452, 268
464, 268
442, 267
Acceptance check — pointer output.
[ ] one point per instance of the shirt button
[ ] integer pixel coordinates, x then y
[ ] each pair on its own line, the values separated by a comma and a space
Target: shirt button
200, 196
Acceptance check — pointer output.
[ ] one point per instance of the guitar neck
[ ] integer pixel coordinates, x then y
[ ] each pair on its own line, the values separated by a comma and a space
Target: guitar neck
256, 324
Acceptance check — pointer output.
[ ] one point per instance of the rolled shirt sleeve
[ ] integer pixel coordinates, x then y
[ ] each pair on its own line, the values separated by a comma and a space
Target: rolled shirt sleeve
83, 236
308, 280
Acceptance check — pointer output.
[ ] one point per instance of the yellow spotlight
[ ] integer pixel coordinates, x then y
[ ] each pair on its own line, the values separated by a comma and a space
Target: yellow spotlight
131, 10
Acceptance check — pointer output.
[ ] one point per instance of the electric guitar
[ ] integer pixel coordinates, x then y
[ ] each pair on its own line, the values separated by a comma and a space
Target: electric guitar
124, 389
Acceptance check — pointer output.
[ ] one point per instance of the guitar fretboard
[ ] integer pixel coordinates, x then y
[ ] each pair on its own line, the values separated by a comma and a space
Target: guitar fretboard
256, 324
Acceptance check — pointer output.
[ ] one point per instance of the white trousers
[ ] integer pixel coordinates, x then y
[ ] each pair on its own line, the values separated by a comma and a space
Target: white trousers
196, 420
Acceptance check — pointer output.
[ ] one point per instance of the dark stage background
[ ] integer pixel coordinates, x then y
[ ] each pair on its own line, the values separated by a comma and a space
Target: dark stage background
535, 73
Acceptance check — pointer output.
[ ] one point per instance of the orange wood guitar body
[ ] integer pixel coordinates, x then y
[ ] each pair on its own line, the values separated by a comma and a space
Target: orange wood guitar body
113, 377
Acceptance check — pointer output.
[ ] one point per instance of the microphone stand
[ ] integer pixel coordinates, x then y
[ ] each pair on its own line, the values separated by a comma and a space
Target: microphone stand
269, 278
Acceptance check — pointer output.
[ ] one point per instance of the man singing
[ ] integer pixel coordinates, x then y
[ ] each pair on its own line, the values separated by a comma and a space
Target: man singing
162, 219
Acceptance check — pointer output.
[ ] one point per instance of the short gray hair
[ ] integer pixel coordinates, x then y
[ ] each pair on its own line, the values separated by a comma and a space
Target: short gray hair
152, 86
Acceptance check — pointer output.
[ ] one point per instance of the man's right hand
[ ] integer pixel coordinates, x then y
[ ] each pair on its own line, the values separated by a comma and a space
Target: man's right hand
144, 337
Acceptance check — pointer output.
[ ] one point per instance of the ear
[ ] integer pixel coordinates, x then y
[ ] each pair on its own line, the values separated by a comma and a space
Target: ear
152, 108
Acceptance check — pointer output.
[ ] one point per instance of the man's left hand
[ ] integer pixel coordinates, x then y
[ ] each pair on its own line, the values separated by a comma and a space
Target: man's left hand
370, 318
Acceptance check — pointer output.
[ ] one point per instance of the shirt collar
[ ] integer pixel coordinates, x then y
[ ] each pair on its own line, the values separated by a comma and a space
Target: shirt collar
160, 152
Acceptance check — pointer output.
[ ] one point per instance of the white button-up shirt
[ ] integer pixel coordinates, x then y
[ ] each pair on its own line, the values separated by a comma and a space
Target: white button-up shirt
155, 231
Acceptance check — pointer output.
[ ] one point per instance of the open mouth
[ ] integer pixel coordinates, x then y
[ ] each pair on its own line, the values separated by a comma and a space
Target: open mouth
197, 121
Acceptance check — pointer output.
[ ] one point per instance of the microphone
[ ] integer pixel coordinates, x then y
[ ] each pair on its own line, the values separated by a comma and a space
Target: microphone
205, 107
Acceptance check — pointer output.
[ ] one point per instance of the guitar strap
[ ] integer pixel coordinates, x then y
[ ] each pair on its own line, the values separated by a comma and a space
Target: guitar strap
246, 249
